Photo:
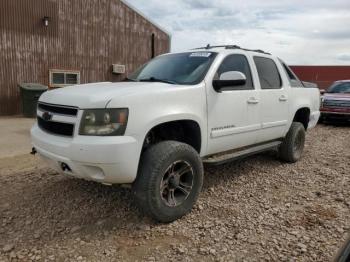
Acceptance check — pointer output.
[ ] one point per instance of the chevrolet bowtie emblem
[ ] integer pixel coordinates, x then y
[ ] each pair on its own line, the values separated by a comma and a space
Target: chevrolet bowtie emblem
47, 116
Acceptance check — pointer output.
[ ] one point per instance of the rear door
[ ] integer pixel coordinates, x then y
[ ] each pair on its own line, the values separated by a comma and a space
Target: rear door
274, 99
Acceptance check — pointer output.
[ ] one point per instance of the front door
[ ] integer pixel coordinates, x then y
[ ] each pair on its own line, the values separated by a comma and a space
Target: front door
233, 114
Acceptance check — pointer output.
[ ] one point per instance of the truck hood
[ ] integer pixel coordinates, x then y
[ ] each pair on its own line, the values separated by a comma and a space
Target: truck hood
98, 95
336, 96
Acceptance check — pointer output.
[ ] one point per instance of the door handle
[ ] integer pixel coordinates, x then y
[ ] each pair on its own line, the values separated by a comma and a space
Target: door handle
283, 98
253, 101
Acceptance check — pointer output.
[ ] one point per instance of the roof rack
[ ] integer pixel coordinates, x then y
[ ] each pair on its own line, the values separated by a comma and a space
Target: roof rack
232, 47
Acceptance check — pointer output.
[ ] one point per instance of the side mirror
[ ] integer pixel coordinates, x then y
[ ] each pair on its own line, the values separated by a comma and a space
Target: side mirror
322, 91
231, 78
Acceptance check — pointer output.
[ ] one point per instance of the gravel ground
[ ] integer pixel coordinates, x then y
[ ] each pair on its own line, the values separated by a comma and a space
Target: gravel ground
253, 210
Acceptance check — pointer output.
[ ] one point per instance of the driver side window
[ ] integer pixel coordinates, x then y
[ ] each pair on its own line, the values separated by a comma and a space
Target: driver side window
236, 63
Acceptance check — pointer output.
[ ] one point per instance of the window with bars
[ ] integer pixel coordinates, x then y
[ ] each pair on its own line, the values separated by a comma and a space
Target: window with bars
61, 78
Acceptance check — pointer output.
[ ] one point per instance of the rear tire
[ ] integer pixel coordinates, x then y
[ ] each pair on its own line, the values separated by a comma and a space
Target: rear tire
293, 144
169, 181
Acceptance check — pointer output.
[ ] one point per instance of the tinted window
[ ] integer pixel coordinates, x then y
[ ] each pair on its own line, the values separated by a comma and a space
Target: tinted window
182, 68
236, 63
268, 73
339, 88
293, 80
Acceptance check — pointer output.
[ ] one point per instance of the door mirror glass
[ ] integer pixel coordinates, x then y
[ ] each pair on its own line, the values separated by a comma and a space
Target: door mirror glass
229, 79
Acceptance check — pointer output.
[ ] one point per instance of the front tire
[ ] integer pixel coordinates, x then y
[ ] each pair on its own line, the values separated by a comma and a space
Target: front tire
169, 180
293, 144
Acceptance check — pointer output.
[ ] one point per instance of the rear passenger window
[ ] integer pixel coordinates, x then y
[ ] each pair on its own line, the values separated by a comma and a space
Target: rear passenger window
268, 73
293, 80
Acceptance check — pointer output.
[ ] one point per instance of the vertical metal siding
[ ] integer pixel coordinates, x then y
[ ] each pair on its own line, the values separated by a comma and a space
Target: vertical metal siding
88, 36
323, 76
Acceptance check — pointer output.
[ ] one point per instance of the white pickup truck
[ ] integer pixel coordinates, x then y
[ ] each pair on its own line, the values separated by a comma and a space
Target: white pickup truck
155, 130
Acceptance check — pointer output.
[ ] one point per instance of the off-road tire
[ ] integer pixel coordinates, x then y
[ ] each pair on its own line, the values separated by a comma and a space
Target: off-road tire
293, 144
154, 164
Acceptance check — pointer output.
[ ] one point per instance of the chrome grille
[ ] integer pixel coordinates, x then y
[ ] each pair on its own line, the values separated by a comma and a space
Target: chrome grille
336, 103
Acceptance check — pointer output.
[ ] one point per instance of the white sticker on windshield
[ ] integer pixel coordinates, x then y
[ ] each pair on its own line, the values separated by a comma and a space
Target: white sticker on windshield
200, 54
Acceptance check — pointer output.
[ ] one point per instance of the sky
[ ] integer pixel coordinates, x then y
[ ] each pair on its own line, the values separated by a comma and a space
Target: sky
300, 31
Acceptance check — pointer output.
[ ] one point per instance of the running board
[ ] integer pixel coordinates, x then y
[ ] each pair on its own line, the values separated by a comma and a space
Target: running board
229, 156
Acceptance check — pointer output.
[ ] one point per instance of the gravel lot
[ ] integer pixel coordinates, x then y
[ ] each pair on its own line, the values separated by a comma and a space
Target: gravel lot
256, 209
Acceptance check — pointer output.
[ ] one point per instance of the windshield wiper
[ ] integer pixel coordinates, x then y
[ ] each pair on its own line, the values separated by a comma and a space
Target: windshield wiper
129, 80
154, 79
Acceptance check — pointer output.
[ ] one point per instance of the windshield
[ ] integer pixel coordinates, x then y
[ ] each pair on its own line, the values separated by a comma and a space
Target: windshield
183, 68
340, 88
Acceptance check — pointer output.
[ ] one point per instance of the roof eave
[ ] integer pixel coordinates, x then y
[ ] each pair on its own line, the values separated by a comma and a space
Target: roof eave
146, 17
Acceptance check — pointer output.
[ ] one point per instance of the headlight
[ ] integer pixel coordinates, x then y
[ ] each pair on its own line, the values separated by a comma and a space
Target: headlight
321, 101
104, 122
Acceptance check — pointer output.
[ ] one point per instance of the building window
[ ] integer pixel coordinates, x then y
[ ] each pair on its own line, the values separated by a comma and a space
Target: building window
62, 78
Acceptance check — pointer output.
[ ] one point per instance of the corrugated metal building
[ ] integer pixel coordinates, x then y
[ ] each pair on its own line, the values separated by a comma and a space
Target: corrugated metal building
62, 42
323, 76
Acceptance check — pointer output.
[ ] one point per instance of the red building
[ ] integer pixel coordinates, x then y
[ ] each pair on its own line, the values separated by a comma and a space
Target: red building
323, 76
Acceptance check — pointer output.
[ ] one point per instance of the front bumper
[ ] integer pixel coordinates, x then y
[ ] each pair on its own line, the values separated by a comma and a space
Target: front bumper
108, 160
335, 115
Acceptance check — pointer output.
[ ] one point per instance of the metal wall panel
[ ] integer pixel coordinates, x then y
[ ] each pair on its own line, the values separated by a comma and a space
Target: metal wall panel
323, 76
84, 35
